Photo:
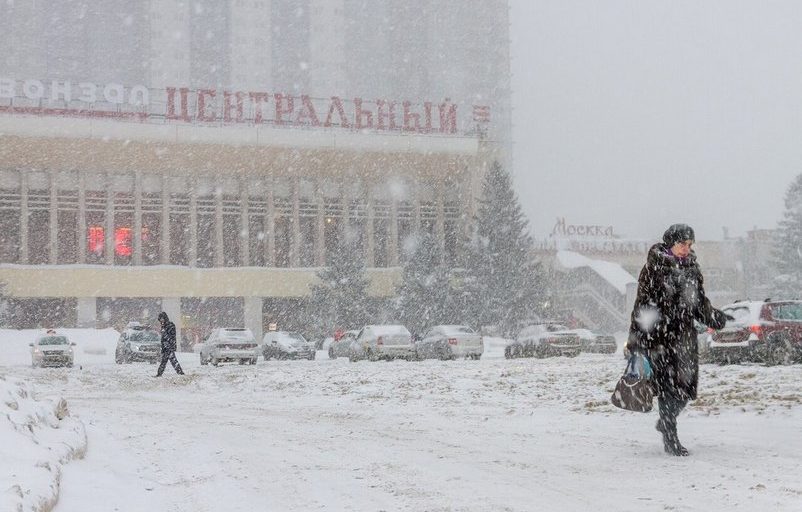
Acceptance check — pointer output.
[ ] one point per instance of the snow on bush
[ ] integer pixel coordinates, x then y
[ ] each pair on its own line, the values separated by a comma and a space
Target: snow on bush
37, 436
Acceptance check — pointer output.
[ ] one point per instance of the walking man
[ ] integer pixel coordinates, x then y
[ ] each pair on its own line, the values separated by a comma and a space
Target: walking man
168, 345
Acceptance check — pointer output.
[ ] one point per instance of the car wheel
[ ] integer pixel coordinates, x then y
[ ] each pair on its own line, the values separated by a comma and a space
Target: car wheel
214, 361
203, 360
776, 353
331, 354
253, 360
445, 354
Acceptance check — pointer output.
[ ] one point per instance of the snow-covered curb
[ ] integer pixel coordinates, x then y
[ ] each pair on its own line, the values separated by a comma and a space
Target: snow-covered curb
37, 436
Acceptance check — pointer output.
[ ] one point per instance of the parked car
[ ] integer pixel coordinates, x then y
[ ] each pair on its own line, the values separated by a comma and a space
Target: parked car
138, 343
450, 342
286, 345
229, 344
340, 347
596, 343
376, 342
768, 331
51, 349
544, 340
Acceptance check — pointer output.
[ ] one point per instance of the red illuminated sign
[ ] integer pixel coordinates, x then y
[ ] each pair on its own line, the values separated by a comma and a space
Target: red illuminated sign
96, 239
122, 242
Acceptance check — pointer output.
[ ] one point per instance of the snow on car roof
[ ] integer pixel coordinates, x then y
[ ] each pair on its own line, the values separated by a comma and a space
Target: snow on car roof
383, 330
744, 311
612, 272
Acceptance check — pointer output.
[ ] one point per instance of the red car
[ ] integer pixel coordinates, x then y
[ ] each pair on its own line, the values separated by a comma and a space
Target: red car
768, 331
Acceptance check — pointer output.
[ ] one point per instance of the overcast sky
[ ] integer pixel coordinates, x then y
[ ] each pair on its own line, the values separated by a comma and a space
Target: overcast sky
641, 114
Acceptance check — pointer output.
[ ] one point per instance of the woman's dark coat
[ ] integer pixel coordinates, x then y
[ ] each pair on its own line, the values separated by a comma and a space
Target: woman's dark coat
670, 297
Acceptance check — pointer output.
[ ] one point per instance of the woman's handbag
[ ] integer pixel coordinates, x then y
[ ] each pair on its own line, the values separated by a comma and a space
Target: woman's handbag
635, 391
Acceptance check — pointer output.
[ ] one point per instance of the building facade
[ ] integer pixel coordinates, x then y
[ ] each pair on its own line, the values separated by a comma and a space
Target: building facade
206, 158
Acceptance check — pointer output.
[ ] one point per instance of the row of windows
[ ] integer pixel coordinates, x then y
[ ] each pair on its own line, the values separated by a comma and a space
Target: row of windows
113, 239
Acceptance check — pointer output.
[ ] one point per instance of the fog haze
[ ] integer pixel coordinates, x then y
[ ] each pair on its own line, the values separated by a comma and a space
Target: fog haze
637, 115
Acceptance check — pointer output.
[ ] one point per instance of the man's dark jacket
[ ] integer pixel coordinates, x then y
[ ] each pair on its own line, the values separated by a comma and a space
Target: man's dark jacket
168, 336
670, 297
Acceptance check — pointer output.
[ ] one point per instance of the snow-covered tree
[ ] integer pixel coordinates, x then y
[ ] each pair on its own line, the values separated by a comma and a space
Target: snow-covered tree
506, 285
787, 257
426, 296
340, 298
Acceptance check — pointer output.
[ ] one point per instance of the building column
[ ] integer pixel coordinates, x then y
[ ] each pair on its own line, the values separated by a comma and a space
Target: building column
109, 231
270, 228
164, 241
23, 235
87, 312
253, 316
218, 227
320, 238
53, 242
392, 245
172, 306
439, 226
193, 221
137, 234
245, 228
370, 242
295, 239
81, 216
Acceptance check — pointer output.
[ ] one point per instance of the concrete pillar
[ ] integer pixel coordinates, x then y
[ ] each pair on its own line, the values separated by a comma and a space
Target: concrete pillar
370, 242
193, 221
245, 231
109, 231
53, 242
392, 243
440, 226
164, 242
23, 225
270, 228
218, 227
81, 217
137, 234
253, 316
87, 312
295, 239
172, 306
320, 238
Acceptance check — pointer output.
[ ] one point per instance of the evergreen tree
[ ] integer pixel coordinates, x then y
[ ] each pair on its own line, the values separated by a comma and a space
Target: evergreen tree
505, 284
340, 298
787, 256
425, 296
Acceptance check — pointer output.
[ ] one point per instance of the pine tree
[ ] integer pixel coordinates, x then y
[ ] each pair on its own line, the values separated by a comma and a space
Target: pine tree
340, 298
425, 296
787, 256
505, 284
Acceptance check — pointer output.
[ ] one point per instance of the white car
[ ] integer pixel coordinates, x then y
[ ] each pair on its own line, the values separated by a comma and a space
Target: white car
341, 347
229, 344
544, 340
51, 349
376, 342
450, 342
286, 345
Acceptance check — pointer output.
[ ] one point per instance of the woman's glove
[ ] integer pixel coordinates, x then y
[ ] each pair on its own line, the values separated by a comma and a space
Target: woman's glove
719, 319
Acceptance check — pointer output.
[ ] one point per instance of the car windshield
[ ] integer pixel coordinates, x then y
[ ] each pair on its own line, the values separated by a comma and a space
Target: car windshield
144, 336
556, 327
53, 340
244, 333
791, 311
457, 329
292, 338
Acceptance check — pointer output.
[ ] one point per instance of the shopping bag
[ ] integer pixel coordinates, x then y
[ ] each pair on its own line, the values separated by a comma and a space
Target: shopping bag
635, 389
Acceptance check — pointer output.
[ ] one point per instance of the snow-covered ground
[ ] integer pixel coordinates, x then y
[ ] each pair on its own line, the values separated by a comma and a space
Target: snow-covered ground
486, 435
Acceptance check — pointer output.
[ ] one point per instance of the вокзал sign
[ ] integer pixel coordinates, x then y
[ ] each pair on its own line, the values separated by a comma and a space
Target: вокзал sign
214, 106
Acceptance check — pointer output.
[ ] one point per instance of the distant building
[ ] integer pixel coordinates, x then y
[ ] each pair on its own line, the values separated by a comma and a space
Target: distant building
205, 157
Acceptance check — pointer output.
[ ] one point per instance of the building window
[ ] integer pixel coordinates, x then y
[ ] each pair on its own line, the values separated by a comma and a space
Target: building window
231, 240
67, 236
9, 235
332, 235
123, 239
282, 241
381, 256
257, 240
151, 239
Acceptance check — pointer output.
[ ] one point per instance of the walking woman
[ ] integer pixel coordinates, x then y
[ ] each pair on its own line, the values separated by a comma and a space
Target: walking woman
670, 297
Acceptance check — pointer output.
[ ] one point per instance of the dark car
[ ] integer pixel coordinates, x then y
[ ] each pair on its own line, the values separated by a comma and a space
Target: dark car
768, 331
138, 343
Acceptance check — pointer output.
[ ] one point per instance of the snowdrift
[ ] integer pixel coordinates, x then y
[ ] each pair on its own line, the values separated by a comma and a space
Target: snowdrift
38, 437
